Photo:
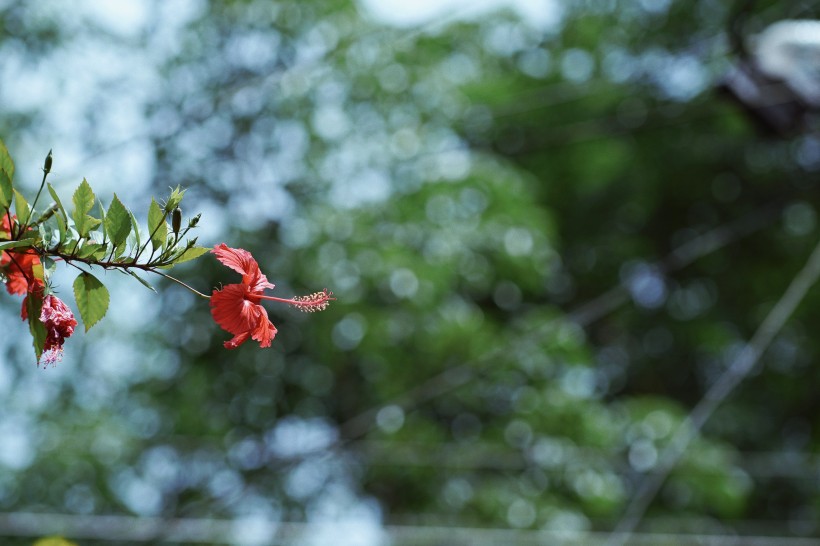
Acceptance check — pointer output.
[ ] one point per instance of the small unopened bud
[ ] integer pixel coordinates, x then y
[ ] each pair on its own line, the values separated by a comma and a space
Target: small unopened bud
194, 221
192, 242
176, 220
47, 165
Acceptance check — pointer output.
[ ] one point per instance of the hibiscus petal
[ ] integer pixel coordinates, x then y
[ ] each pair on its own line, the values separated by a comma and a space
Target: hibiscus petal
236, 340
242, 261
265, 331
231, 310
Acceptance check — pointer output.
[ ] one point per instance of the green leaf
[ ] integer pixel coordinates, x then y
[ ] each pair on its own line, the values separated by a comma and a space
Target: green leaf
5, 189
54, 541
34, 306
83, 202
62, 218
6, 164
117, 222
120, 250
156, 225
57, 200
142, 281
191, 254
136, 229
62, 227
49, 265
103, 224
21, 207
92, 222
14, 244
174, 199
38, 272
97, 250
45, 234
92, 299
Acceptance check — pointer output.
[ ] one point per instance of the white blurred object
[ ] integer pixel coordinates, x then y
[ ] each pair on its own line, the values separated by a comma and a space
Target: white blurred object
790, 51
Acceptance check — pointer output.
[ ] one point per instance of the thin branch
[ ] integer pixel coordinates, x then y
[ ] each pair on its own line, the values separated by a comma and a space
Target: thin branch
170, 278
683, 255
718, 392
36, 197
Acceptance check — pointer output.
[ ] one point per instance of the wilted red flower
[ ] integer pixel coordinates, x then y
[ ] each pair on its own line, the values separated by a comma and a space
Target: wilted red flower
59, 322
236, 307
18, 266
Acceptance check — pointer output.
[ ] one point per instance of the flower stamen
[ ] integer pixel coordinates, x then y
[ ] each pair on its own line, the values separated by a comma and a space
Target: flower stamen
312, 303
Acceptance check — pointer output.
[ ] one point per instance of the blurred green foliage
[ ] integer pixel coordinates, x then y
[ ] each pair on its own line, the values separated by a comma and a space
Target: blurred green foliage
502, 212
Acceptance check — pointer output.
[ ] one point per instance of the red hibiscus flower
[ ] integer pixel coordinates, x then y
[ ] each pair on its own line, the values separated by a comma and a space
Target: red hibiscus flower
59, 322
236, 307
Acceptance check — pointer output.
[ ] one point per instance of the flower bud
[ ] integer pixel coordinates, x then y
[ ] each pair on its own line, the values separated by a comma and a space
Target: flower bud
47, 165
194, 221
176, 220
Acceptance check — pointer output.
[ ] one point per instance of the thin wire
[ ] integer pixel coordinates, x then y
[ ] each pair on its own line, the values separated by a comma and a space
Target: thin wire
264, 530
482, 455
724, 386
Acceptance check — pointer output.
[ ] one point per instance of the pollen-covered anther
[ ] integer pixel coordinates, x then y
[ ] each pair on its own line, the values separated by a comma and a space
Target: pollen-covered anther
318, 301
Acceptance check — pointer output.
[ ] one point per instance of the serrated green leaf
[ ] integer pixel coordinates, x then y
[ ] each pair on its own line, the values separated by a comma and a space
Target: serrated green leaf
191, 254
34, 306
5, 189
21, 207
92, 299
83, 200
142, 281
89, 223
117, 222
6, 164
156, 225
